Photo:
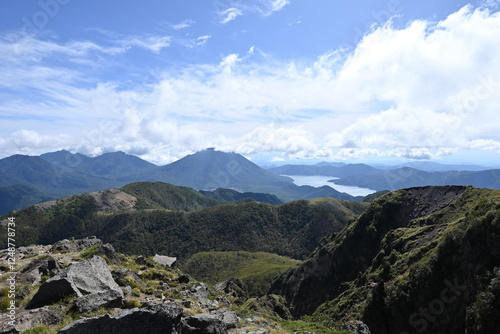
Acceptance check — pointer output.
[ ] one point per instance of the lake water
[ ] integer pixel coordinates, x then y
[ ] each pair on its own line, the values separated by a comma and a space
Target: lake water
321, 180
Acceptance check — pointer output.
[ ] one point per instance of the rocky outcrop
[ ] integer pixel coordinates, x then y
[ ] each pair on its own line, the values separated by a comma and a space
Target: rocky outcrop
154, 319
34, 271
233, 287
229, 318
41, 316
109, 251
121, 275
83, 278
66, 245
203, 324
356, 327
199, 293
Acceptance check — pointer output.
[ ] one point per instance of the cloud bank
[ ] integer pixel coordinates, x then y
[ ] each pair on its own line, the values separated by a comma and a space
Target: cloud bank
425, 91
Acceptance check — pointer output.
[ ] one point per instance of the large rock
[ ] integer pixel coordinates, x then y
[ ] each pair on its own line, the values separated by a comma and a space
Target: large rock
109, 251
199, 293
83, 278
34, 271
90, 302
120, 276
229, 318
203, 324
74, 245
28, 251
233, 287
356, 327
154, 319
41, 316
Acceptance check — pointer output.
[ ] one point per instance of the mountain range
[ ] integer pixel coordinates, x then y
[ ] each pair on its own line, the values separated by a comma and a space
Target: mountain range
27, 180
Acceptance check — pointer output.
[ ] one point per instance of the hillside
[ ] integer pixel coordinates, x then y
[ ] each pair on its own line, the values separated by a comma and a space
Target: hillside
255, 270
414, 251
155, 217
230, 195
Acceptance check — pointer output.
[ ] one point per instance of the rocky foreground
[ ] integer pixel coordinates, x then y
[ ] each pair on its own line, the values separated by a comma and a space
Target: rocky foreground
83, 286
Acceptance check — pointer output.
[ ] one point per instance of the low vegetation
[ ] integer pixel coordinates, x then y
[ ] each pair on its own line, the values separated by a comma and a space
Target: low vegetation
255, 270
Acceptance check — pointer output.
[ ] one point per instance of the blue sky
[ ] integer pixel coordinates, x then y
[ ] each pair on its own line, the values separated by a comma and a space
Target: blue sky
275, 80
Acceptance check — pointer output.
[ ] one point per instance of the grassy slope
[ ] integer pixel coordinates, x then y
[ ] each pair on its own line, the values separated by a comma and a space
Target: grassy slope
256, 270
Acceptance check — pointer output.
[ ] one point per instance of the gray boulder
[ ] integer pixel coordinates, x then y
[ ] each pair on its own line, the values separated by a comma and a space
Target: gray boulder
154, 319
74, 245
91, 302
34, 271
356, 327
120, 275
83, 278
41, 316
229, 318
28, 251
109, 251
203, 324
199, 293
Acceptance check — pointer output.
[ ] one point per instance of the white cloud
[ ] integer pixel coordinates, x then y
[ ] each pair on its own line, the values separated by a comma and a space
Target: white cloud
277, 5
229, 14
424, 91
202, 40
182, 25
151, 43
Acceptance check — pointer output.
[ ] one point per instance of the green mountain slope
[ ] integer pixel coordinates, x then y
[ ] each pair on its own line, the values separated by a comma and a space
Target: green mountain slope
418, 260
132, 220
159, 195
18, 196
230, 195
255, 270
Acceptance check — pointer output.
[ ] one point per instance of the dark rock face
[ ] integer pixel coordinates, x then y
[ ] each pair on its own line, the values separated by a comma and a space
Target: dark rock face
154, 319
75, 245
306, 287
84, 278
203, 324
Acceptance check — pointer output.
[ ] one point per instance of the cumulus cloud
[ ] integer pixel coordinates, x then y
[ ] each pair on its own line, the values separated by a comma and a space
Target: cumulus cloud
420, 92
